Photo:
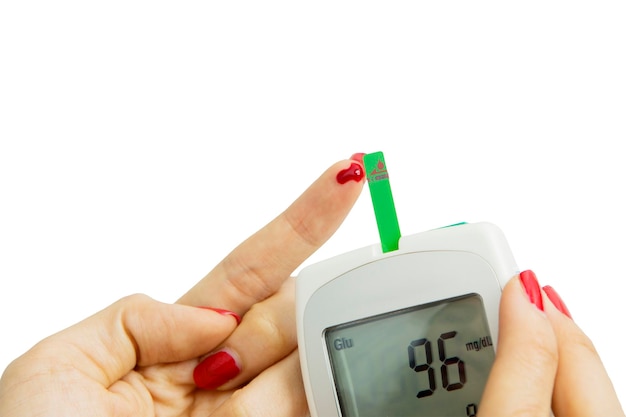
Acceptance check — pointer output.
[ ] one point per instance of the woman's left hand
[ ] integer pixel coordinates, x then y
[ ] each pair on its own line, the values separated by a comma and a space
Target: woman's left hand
140, 357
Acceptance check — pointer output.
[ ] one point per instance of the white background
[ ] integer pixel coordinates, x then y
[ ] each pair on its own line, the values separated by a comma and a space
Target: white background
141, 141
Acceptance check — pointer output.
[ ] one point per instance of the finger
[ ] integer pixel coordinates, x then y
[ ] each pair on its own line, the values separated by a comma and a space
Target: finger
277, 392
256, 268
136, 330
271, 325
522, 378
583, 387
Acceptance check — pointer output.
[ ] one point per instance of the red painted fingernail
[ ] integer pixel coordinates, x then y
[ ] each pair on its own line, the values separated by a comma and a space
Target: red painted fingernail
216, 370
557, 300
358, 157
531, 285
224, 312
353, 173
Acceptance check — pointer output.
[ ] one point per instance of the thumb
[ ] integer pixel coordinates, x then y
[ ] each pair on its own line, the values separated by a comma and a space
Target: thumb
522, 378
135, 330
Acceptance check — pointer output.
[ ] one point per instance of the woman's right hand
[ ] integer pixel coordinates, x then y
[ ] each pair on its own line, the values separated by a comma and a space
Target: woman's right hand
544, 361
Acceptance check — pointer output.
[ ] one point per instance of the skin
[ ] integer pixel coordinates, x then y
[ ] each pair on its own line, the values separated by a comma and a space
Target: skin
545, 361
136, 357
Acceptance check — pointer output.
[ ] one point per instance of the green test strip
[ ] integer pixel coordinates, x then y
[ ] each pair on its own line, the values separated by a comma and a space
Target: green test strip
382, 199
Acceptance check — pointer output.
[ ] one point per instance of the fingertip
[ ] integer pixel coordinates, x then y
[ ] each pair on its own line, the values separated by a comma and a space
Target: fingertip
556, 300
216, 370
529, 282
334, 193
319, 211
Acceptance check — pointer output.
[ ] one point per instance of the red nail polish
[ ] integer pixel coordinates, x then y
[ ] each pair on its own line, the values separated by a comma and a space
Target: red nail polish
224, 312
531, 285
216, 370
557, 300
353, 173
358, 157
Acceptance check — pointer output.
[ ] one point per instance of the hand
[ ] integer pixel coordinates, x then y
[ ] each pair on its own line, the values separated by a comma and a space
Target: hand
137, 357
544, 360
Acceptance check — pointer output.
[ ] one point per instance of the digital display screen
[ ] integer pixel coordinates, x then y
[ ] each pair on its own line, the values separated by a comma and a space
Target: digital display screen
429, 360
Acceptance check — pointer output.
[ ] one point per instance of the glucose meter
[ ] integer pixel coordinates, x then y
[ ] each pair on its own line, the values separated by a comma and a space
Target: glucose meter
406, 332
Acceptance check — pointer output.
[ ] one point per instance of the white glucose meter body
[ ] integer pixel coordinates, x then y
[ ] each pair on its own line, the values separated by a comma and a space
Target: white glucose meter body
411, 332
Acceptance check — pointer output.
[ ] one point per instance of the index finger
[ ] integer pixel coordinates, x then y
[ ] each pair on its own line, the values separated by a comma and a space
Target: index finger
258, 266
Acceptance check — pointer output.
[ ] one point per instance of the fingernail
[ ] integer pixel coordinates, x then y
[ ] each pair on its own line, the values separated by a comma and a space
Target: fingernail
531, 285
358, 157
556, 299
215, 370
353, 173
224, 312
